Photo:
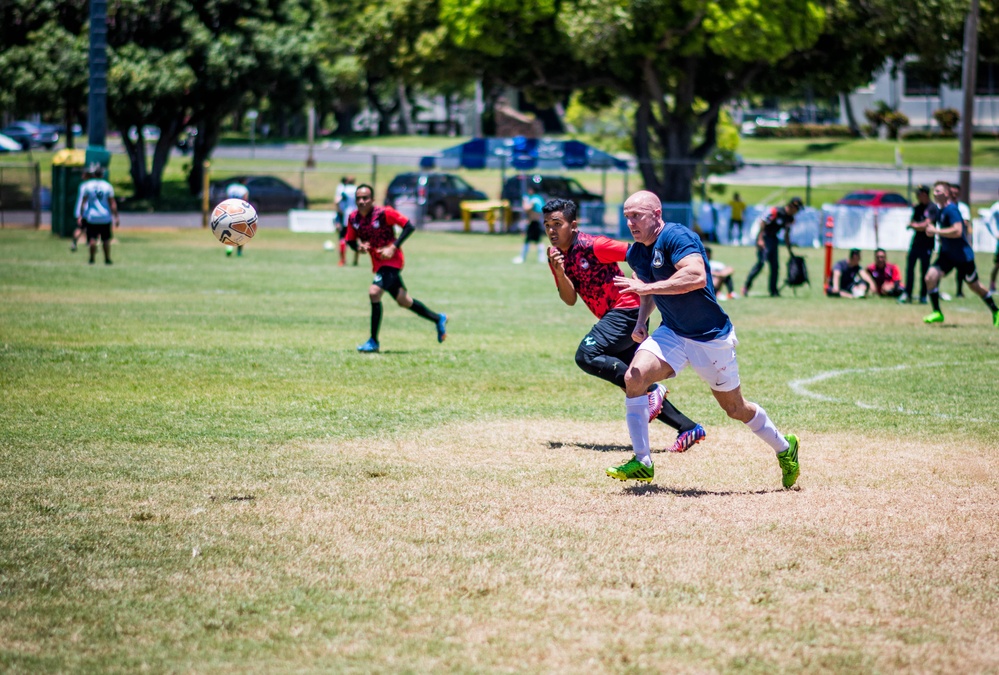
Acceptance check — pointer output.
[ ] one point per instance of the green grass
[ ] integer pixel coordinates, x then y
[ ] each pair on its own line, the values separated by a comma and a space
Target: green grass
932, 152
198, 472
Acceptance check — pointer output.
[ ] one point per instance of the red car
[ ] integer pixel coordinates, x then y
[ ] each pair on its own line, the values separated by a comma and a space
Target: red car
878, 198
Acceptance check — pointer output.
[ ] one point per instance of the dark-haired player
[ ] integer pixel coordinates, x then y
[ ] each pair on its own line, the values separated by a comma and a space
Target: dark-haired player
371, 229
584, 267
776, 221
955, 254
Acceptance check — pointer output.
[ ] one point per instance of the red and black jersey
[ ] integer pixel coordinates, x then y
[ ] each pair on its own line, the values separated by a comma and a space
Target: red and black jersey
591, 264
776, 220
376, 229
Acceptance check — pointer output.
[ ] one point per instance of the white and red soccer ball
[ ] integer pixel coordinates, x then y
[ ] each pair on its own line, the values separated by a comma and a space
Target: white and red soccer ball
234, 222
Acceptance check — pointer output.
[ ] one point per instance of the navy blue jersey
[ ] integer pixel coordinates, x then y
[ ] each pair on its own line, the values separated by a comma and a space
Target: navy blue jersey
956, 249
695, 315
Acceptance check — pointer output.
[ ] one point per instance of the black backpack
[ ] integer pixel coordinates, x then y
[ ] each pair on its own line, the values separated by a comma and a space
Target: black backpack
797, 272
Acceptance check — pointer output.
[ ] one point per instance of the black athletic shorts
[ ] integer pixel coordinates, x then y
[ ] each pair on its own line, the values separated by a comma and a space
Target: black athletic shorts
97, 231
965, 269
612, 335
389, 279
533, 232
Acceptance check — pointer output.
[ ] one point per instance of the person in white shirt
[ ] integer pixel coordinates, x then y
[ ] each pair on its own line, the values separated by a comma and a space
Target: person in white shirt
346, 203
96, 209
236, 191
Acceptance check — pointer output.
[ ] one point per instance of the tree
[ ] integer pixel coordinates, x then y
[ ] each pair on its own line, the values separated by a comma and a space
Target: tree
43, 58
679, 61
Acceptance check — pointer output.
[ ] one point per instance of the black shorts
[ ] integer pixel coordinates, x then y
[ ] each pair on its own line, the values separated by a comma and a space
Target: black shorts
612, 335
997, 254
533, 232
965, 269
389, 279
97, 231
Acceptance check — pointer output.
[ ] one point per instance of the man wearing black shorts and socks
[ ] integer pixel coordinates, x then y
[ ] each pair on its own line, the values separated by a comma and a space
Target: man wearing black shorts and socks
96, 211
370, 229
924, 213
955, 254
778, 220
585, 266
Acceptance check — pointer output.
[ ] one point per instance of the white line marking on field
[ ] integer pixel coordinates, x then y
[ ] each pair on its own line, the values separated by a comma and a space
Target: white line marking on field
801, 388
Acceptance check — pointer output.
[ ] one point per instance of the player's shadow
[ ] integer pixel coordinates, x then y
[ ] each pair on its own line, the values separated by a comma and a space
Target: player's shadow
641, 490
595, 447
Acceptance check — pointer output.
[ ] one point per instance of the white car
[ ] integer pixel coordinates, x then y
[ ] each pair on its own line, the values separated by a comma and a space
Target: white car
8, 144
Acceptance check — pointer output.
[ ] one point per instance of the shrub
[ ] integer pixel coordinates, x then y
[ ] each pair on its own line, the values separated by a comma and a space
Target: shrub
947, 118
805, 131
895, 120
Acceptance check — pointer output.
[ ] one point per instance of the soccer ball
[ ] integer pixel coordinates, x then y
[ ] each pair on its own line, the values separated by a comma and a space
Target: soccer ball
234, 222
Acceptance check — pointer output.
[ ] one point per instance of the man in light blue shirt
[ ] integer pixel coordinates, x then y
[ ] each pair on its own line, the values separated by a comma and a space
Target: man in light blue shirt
96, 209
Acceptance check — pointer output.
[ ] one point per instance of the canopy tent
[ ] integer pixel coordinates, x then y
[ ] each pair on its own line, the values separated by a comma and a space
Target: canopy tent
523, 154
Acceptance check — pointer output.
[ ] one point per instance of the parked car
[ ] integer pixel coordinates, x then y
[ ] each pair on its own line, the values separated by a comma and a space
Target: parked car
31, 135
267, 193
589, 204
442, 193
878, 198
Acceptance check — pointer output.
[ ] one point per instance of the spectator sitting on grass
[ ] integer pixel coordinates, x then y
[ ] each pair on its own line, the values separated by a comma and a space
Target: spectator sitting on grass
849, 279
721, 276
886, 276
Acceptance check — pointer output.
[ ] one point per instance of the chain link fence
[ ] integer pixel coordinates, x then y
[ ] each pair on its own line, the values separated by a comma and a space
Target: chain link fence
21, 195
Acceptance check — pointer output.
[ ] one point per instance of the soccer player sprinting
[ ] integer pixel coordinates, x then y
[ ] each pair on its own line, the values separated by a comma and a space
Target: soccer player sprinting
955, 253
584, 267
671, 273
370, 229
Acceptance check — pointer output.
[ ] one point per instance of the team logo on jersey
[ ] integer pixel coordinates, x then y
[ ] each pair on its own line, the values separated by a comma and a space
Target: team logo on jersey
376, 224
657, 258
584, 263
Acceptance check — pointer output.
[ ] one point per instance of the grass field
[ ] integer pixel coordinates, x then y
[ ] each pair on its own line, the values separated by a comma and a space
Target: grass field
199, 473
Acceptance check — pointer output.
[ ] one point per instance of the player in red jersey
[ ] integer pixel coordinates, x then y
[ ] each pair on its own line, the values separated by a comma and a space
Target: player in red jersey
584, 267
371, 229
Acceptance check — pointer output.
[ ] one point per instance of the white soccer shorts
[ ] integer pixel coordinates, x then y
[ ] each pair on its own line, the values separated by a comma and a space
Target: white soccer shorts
714, 361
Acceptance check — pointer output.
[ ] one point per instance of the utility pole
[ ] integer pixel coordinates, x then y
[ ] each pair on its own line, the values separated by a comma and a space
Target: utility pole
97, 124
969, 80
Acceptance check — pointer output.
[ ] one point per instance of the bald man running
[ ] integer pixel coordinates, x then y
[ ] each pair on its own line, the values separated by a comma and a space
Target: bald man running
671, 273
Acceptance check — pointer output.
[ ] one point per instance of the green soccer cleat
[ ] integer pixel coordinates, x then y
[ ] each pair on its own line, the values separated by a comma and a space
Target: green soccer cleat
995, 319
788, 461
633, 470
935, 317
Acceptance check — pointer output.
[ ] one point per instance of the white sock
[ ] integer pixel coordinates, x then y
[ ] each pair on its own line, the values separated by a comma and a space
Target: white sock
637, 417
765, 429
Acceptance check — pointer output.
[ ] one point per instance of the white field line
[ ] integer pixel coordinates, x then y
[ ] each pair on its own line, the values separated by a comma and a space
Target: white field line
801, 388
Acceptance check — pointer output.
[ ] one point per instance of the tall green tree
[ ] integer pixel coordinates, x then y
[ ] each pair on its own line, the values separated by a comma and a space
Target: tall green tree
680, 61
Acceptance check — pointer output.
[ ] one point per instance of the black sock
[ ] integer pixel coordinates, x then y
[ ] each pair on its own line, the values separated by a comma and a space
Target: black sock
674, 418
376, 319
990, 302
421, 309
935, 299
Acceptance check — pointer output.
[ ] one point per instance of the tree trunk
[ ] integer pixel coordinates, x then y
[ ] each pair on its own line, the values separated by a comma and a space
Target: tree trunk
405, 110
204, 143
161, 155
68, 119
669, 177
137, 163
851, 120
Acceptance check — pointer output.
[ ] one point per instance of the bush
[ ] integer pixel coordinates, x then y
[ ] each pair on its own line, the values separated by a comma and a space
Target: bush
947, 118
895, 120
804, 131
926, 135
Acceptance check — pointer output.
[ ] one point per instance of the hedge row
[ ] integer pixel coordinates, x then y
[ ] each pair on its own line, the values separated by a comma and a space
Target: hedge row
804, 131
